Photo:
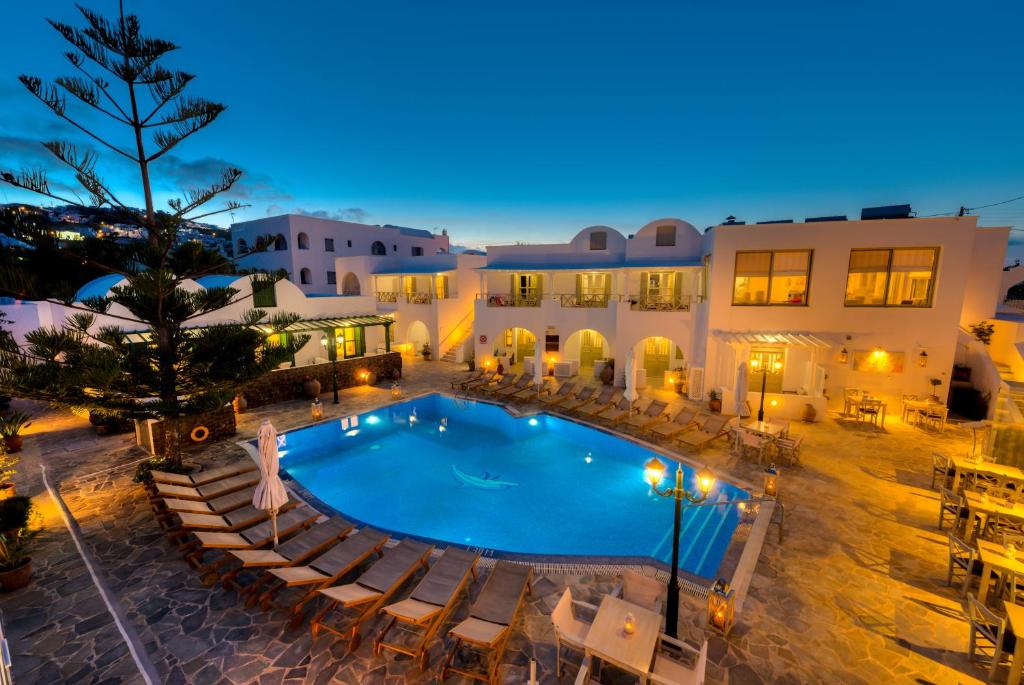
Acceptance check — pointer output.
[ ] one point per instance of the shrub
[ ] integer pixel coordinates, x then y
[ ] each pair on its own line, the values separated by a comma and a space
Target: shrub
142, 471
15, 512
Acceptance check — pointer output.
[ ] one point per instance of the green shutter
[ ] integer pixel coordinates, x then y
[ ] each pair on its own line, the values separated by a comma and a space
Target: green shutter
579, 286
444, 286
540, 287
677, 286
512, 290
608, 285
644, 275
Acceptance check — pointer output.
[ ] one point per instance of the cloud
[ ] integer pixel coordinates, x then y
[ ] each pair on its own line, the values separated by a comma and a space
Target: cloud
354, 214
175, 173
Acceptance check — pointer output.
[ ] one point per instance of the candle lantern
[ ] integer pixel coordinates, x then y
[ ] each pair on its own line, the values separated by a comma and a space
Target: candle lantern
396, 391
721, 606
316, 409
771, 481
922, 359
629, 624
844, 356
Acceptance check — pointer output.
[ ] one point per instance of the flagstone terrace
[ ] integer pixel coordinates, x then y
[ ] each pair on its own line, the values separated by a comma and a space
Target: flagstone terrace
854, 594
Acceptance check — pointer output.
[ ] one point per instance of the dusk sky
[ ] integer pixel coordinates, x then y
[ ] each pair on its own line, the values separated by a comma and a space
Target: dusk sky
528, 121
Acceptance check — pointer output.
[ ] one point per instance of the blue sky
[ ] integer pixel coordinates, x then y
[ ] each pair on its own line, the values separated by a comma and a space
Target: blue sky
528, 121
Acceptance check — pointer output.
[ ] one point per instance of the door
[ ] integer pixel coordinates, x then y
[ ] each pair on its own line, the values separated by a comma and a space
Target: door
526, 344
656, 352
591, 348
350, 342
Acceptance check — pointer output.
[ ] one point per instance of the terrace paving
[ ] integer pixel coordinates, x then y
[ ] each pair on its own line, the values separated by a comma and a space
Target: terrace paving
854, 594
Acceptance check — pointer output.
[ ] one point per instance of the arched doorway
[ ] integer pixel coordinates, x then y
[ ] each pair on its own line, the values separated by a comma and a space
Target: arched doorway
350, 284
280, 243
303, 241
586, 346
305, 277
378, 248
656, 355
517, 344
416, 336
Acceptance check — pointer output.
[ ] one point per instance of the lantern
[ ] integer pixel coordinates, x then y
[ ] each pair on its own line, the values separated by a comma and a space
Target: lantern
844, 356
771, 481
705, 480
551, 366
316, 409
654, 471
922, 359
721, 606
629, 623
396, 391
364, 376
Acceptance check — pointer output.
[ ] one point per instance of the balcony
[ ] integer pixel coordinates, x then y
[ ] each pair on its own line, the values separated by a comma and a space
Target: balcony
584, 300
387, 296
1014, 303
419, 298
510, 300
656, 303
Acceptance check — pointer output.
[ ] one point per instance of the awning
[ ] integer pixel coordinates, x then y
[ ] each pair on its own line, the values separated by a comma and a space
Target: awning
791, 339
302, 325
666, 264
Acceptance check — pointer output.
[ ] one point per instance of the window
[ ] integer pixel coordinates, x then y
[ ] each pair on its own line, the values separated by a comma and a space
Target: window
350, 284
441, 287
891, 278
243, 247
394, 248
305, 277
303, 240
264, 297
280, 243
378, 248
328, 244
599, 240
417, 251
349, 243
666, 236
772, 278
332, 278
526, 290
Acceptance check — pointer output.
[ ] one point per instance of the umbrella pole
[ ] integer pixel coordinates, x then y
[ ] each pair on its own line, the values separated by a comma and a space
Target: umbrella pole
273, 522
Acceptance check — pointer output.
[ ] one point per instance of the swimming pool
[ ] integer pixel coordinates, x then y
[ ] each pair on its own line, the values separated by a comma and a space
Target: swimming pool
470, 473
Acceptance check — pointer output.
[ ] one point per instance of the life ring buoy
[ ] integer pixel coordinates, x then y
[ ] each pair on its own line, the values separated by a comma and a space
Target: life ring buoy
200, 434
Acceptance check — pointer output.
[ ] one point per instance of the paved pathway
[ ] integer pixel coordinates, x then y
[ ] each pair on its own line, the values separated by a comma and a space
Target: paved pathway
855, 594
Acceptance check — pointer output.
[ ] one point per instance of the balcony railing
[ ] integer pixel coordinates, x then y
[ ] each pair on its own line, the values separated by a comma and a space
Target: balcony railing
594, 301
512, 300
387, 296
1014, 303
659, 304
419, 298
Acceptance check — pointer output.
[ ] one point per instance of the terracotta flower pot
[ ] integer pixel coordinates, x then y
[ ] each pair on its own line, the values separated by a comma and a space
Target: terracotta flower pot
7, 490
16, 578
311, 388
715, 405
14, 443
240, 404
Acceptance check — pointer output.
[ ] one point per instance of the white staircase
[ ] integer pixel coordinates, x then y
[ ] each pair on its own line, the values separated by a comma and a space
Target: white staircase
452, 342
456, 342
1016, 396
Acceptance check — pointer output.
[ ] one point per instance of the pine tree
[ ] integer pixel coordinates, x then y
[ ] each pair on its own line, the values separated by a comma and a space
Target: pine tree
179, 369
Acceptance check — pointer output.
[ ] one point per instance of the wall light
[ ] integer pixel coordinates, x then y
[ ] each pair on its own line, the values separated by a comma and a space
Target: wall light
922, 359
844, 355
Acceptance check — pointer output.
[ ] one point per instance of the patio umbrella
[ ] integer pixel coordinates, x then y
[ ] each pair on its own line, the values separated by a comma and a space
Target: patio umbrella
630, 393
270, 494
742, 386
538, 364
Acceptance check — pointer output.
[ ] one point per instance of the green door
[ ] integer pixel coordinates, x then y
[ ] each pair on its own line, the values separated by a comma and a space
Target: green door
591, 348
526, 344
656, 351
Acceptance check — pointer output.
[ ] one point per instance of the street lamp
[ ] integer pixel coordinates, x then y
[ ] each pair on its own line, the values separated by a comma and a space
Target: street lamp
332, 354
654, 471
755, 364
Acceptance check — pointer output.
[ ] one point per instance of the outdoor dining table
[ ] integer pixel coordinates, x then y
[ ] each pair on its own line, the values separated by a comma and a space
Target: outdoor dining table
766, 428
919, 406
608, 641
985, 507
966, 464
994, 560
1015, 617
854, 403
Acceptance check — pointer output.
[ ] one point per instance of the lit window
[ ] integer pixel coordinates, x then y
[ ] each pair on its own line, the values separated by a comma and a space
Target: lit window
599, 240
666, 236
772, 278
891, 278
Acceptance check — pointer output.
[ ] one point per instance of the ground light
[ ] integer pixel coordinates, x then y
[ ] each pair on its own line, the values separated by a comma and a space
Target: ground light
654, 470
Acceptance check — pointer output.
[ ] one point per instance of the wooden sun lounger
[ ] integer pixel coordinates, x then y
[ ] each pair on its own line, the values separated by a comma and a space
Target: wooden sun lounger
621, 410
489, 625
483, 375
581, 398
522, 382
210, 490
485, 379
306, 545
684, 420
505, 381
368, 593
217, 505
715, 427
606, 399
429, 605
530, 392
324, 571
560, 395
254, 537
205, 476
648, 416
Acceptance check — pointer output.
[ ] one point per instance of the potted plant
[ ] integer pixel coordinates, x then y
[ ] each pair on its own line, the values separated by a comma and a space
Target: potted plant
714, 401
15, 562
107, 423
608, 372
8, 464
426, 351
311, 387
11, 427
471, 360
14, 514
935, 382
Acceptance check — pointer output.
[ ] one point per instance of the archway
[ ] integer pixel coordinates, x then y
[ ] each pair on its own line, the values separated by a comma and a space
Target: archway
586, 346
350, 284
515, 345
656, 355
416, 335
303, 241
243, 247
280, 243
305, 277
378, 248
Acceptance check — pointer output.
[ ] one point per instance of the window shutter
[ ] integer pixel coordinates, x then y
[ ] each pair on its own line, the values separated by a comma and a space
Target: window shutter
644, 275
868, 261
540, 286
607, 285
579, 286
753, 263
677, 286
512, 289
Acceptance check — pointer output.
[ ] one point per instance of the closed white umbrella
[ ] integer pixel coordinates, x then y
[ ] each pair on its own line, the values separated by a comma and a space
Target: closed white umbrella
270, 494
631, 393
538, 364
742, 384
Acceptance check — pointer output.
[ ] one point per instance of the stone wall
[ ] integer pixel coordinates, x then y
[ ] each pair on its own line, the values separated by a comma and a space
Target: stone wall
286, 384
220, 422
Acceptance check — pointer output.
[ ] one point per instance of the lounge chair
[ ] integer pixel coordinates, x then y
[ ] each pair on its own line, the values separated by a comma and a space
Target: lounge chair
607, 397
324, 571
483, 379
715, 427
217, 505
521, 383
618, 412
205, 476
684, 420
229, 522
254, 537
530, 392
429, 605
651, 415
368, 593
210, 490
488, 627
306, 545
506, 381
579, 399
560, 395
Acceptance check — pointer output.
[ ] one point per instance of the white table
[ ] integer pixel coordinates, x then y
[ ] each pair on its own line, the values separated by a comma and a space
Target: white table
608, 642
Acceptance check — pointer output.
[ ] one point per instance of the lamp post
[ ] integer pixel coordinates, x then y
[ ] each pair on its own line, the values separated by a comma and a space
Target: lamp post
655, 472
755, 364
332, 354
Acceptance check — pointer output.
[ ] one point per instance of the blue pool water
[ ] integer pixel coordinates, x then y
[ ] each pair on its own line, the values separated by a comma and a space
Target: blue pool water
472, 474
